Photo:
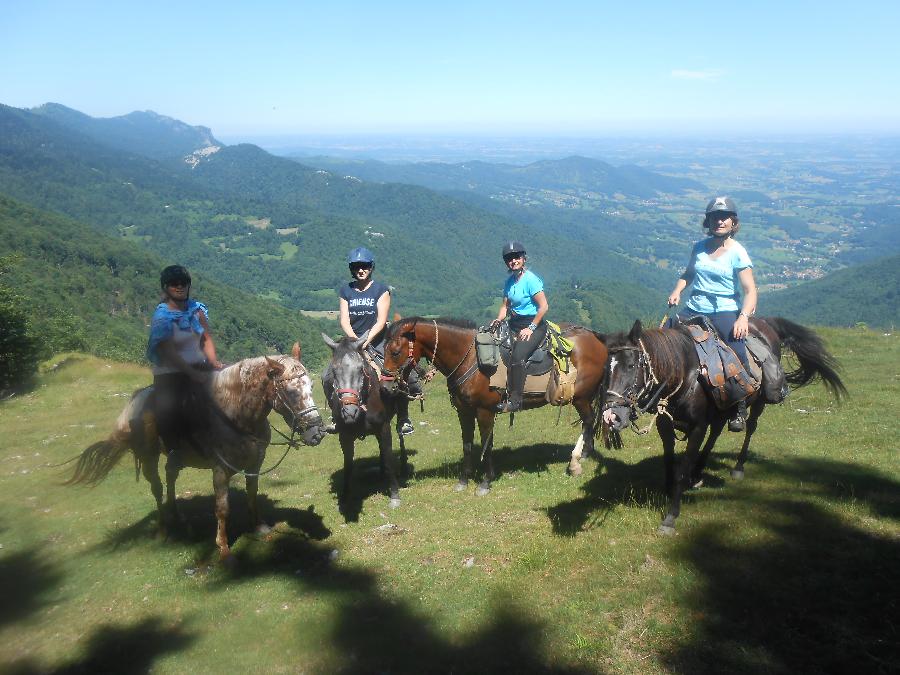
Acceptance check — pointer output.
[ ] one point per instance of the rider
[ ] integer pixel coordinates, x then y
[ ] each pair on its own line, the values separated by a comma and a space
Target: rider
181, 352
364, 306
525, 305
718, 265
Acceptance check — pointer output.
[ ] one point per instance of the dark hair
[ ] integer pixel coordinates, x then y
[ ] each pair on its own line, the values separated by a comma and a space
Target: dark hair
174, 273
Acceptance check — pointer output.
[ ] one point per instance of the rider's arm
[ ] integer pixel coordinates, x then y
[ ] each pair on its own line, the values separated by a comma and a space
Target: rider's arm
345, 319
383, 306
748, 285
540, 300
681, 284
504, 310
207, 344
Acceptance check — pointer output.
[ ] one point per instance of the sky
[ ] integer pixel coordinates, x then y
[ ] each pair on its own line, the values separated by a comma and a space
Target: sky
512, 68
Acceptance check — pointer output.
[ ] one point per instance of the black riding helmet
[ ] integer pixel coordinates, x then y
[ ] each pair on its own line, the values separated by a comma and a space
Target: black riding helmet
174, 273
513, 246
720, 205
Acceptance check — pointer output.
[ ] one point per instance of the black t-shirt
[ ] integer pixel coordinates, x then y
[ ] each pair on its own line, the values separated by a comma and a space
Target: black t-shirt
363, 305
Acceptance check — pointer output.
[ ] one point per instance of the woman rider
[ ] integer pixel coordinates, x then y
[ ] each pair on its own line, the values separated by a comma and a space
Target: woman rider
181, 352
718, 265
364, 306
525, 305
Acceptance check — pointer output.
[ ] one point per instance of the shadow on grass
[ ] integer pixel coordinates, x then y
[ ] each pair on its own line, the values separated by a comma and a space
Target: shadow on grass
26, 583
198, 526
118, 649
368, 480
377, 634
817, 595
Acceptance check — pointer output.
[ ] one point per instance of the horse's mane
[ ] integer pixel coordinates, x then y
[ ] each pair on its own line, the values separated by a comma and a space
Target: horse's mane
442, 321
669, 348
229, 385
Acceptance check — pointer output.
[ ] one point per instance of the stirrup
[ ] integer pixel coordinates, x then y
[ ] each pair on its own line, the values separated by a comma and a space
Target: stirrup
738, 422
405, 428
507, 406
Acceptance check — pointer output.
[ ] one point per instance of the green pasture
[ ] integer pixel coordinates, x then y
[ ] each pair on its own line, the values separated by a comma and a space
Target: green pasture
794, 569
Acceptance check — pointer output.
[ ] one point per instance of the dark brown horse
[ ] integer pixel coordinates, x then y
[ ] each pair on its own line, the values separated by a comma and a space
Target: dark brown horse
360, 407
450, 346
658, 371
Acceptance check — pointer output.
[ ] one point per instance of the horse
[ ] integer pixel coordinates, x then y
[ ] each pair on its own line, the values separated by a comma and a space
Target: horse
659, 369
231, 434
450, 346
360, 407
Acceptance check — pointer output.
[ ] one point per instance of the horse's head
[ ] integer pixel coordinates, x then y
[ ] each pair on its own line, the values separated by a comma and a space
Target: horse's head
349, 384
401, 350
627, 377
293, 396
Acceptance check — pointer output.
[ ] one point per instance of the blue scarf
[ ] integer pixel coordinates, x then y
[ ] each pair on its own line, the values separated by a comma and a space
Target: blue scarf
162, 326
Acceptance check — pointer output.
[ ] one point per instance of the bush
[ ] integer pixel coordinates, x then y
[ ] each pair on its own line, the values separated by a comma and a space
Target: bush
18, 347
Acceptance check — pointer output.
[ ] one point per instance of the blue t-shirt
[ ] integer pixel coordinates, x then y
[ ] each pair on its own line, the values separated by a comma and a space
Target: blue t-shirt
716, 282
363, 305
163, 322
520, 292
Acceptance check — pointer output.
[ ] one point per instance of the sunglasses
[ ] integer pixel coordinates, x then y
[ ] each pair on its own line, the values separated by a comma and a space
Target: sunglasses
357, 267
179, 283
513, 256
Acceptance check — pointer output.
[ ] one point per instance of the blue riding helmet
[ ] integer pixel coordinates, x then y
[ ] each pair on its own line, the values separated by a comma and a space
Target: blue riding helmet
361, 255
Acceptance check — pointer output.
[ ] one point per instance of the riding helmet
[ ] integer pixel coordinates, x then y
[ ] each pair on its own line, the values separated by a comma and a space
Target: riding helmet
361, 255
174, 273
718, 204
513, 246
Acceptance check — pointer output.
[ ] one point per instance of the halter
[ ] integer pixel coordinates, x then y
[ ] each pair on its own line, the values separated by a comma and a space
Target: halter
358, 397
401, 373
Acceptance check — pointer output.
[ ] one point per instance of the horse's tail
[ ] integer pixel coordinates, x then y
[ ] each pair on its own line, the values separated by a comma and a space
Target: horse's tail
98, 460
813, 358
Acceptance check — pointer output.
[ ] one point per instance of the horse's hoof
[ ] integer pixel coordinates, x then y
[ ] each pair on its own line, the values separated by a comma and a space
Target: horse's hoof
737, 474
481, 491
394, 503
697, 484
461, 487
575, 469
667, 530
262, 528
229, 561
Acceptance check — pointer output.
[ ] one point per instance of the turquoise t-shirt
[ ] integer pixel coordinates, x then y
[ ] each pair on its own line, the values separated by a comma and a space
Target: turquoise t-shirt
520, 292
716, 282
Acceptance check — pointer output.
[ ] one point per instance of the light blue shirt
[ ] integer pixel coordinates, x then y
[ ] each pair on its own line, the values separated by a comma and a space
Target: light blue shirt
521, 291
716, 282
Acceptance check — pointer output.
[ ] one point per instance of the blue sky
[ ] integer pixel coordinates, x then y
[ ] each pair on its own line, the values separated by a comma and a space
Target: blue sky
463, 67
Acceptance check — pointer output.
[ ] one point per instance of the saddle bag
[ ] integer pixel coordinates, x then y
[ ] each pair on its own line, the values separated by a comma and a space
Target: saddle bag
723, 371
487, 350
774, 384
561, 387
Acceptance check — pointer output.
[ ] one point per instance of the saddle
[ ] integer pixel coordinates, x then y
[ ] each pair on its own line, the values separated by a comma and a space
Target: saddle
721, 369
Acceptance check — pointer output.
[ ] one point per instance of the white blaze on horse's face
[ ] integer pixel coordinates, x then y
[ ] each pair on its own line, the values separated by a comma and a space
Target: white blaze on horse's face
612, 366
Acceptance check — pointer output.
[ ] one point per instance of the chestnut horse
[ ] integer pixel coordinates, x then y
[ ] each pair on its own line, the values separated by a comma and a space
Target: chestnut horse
659, 371
232, 433
450, 346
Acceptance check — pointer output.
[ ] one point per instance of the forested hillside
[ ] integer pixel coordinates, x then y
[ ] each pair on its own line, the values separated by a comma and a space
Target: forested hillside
281, 230
88, 292
868, 293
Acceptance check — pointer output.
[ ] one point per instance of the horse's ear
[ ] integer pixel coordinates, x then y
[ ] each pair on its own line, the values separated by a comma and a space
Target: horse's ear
275, 368
295, 350
397, 317
360, 340
636, 331
328, 341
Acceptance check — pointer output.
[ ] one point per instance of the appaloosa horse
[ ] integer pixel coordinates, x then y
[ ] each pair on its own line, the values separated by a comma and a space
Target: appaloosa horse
450, 345
658, 371
359, 408
231, 433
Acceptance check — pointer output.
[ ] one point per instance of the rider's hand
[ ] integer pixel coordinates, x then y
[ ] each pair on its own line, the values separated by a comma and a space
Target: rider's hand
525, 334
217, 365
495, 324
674, 299
741, 327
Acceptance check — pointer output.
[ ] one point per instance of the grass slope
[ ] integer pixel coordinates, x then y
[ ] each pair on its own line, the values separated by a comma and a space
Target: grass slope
792, 570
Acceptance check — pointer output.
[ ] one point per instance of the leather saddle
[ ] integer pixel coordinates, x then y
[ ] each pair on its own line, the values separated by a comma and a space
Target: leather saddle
539, 363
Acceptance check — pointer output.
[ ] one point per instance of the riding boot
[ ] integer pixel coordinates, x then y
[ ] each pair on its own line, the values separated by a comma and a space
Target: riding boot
515, 386
404, 425
736, 423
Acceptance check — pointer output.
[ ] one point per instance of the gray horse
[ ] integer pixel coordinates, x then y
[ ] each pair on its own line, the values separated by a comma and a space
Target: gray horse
232, 433
360, 407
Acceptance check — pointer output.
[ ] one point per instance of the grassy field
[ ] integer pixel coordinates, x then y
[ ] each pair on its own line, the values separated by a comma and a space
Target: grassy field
794, 569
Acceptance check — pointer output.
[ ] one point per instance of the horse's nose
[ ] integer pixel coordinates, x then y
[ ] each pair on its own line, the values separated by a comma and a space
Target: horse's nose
350, 413
612, 420
314, 433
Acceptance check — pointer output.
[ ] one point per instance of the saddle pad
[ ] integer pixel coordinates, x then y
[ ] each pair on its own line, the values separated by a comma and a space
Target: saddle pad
534, 384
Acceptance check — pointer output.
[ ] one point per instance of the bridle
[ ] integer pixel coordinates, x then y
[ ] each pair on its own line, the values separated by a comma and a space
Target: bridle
632, 396
297, 417
401, 373
349, 396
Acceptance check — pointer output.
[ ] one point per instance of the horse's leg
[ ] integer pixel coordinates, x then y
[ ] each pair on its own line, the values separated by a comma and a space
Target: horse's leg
387, 460
752, 420
220, 487
171, 507
486, 428
586, 439
683, 471
404, 459
347, 441
715, 430
150, 469
667, 436
467, 426
259, 525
